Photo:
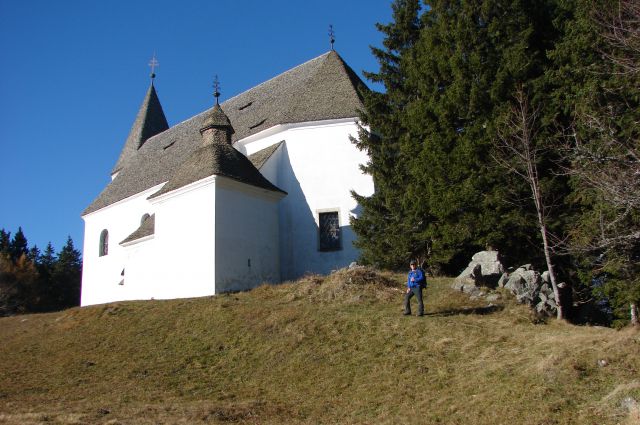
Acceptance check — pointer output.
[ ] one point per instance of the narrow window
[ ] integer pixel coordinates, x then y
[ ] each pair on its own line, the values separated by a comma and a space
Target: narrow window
144, 217
104, 243
329, 231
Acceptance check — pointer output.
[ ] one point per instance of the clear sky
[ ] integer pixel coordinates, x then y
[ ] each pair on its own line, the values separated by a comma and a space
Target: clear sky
73, 74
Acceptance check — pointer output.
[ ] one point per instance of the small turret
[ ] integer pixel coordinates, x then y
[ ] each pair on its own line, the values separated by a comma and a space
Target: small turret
216, 127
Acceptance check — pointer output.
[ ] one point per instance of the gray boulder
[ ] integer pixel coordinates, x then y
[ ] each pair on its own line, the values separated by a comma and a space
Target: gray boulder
530, 287
484, 269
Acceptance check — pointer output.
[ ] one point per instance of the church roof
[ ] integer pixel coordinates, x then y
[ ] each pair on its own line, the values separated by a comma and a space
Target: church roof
220, 159
147, 228
320, 89
259, 158
149, 122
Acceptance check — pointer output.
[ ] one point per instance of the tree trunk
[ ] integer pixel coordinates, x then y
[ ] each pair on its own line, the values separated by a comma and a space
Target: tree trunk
634, 314
518, 145
552, 274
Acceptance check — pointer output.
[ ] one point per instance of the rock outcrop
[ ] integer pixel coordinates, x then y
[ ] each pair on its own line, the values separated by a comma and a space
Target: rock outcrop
485, 272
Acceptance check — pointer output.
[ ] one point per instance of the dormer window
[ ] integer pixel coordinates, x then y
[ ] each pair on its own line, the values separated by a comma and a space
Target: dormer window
245, 106
104, 243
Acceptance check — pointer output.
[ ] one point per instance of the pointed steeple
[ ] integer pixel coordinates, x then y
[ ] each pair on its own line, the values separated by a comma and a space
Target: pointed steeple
149, 122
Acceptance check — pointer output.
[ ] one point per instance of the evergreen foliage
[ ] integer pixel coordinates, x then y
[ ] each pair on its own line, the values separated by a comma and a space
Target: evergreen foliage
386, 239
31, 281
605, 149
450, 72
66, 276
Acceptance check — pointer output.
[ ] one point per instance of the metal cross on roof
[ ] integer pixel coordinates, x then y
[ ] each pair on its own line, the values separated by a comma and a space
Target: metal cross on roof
216, 88
153, 63
332, 36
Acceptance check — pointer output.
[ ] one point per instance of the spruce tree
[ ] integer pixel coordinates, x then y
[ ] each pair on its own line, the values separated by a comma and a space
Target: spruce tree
19, 245
66, 277
5, 241
597, 79
45, 285
464, 70
384, 237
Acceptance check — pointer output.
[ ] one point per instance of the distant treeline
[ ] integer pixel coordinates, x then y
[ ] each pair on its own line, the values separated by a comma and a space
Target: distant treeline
32, 281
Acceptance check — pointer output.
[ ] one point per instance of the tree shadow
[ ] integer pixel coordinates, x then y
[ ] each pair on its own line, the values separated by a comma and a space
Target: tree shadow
481, 311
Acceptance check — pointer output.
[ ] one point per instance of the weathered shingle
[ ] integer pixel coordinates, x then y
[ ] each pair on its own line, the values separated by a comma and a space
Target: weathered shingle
320, 89
259, 158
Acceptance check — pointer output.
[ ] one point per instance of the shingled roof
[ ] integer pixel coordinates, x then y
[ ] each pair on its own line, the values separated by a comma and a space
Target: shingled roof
259, 158
149, 122
320, 89
218, 159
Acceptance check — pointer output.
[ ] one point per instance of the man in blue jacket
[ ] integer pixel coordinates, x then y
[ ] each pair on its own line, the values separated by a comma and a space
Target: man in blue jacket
415, 283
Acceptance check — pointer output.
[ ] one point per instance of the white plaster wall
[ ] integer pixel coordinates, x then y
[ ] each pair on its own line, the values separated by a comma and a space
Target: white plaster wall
318, 167
101, 275
140, 262
247, 253
271, 168
184, 264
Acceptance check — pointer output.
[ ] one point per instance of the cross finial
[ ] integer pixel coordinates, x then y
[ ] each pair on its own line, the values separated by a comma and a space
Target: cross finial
153, 63
332, 36
216, 88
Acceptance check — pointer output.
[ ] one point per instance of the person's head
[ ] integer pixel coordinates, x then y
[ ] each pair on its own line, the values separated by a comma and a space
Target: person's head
413, 264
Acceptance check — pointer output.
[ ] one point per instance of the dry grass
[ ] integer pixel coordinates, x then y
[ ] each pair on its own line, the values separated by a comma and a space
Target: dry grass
322, 350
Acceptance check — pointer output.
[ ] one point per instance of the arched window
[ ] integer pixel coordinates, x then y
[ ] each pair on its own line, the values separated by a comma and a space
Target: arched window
104, 243
144, 217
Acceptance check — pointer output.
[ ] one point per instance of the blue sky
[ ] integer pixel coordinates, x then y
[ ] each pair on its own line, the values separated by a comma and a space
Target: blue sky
73, 74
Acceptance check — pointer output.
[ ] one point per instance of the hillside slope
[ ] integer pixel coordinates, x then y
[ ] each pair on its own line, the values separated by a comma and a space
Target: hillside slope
335, 350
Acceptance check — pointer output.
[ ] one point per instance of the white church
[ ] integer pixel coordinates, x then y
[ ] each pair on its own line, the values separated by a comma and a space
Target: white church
254, 190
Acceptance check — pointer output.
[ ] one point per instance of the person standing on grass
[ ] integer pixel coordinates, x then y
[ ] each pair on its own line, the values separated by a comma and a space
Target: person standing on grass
415, 282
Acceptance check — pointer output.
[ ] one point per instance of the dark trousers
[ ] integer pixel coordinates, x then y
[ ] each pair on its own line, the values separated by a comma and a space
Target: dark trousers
407, 300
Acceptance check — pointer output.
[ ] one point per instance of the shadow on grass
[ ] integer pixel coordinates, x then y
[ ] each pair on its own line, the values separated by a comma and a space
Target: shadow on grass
470, 310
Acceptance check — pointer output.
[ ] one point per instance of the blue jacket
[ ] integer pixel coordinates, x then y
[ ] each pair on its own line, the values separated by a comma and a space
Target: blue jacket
418, 277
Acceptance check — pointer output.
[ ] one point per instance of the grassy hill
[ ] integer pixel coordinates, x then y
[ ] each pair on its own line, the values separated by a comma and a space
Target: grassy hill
334, 350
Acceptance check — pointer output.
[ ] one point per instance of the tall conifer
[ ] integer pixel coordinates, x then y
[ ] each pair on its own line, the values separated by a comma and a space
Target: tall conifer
464, 69
67, 275
19, 245
384, 237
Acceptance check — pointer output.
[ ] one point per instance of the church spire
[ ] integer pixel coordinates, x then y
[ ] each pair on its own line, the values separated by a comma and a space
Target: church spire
149, 122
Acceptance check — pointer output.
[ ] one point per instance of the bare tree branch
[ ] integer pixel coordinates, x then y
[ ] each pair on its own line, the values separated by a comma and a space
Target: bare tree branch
518, 153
